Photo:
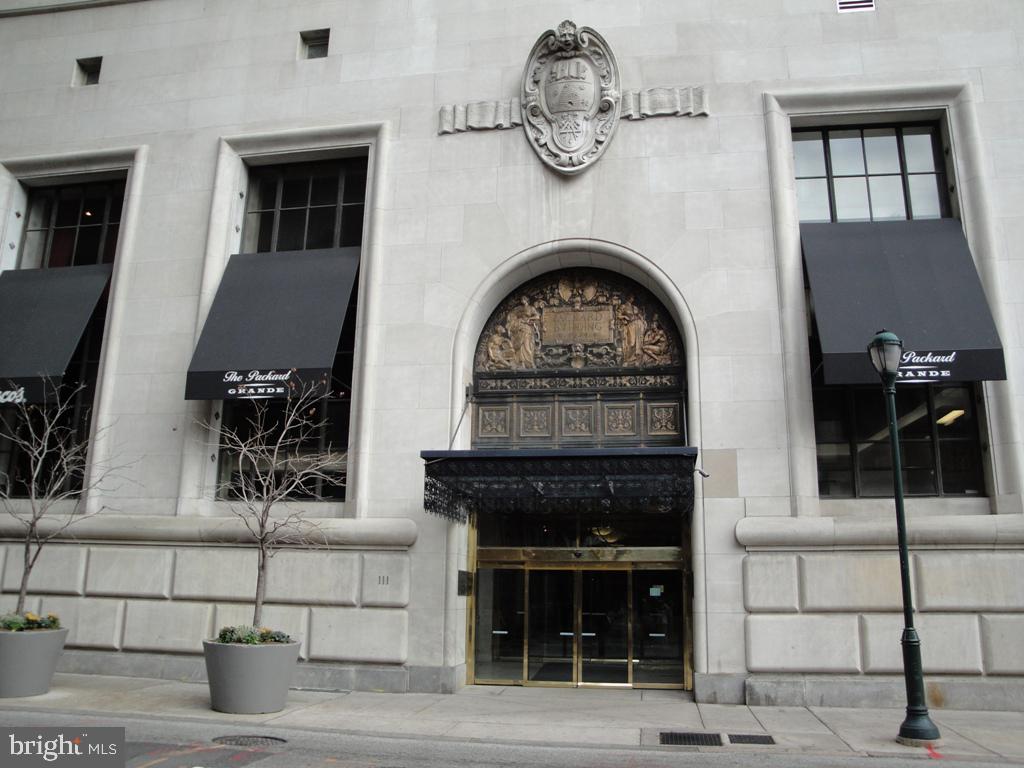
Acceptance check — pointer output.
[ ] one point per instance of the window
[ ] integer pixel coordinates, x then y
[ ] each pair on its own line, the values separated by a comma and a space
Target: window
313, 43
870, 174
67, 227
884, 173
87, 71
939, 443
302, 207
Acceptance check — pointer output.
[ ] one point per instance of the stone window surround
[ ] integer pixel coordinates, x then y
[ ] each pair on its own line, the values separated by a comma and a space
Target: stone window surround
227, 210
954, 104
55, 170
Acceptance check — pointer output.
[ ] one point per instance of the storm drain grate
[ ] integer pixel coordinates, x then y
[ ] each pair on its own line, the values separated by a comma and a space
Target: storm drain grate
689, 739
250, 741
750, 738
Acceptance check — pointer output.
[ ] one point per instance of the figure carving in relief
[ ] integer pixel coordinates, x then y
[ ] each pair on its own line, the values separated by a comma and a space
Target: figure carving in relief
632, 326
524, 331
656, 344
499, 350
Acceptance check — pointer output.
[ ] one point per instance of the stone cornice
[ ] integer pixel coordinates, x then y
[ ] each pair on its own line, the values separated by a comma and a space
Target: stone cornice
360, 533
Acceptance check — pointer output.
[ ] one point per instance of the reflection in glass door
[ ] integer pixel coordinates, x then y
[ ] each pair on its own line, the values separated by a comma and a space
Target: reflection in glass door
500, 616
604, 627
657, 627
552, 627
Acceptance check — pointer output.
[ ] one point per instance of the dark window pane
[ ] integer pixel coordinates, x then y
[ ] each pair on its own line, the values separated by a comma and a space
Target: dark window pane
68, 208
887, 202
116, 203
325, 190
918, 148
881, 150
62, 248
912, 411
852, 199
320, 230
87, 249
291, 230
835, 470
355, 188
351, 225
808, 154
847, 153
295, 193
265, 194
961, 467
830, 414
924, 196
110, 244
812, 200
919, 482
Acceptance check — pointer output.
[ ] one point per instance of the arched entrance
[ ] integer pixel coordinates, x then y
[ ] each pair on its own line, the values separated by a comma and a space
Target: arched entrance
582, 372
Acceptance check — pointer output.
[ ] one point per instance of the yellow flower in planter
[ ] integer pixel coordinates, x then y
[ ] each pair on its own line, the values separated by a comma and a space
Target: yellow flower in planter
31, 616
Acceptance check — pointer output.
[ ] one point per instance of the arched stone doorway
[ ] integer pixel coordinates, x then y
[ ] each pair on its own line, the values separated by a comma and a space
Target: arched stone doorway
590, 587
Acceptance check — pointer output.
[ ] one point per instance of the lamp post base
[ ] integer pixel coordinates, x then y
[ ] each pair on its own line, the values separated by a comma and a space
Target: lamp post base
918, 730
918, 742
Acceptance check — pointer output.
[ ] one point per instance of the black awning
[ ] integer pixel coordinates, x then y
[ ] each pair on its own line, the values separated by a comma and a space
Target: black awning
43, 313
559, 480
275, 321
914, 278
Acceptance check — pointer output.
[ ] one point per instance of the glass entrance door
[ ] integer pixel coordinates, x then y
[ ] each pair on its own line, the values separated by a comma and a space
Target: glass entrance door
579, 627
604, 627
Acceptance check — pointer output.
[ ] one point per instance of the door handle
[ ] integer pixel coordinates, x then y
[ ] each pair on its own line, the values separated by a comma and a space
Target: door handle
589, 634
565, 634
498, 632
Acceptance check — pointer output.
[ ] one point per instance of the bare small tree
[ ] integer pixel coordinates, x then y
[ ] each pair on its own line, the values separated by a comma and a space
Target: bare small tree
277, 459
48, 467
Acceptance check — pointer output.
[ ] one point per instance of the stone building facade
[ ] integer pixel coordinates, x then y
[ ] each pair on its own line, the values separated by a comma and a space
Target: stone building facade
700, 137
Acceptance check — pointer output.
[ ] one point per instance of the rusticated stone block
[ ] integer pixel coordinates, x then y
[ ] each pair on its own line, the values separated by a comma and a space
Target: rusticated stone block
330, 578
385, 580
215, 574
950, 643
770, 583
850, 582
359, 634
60, 570
1002, 643
91, 622
162, 625
801, 643
129, 571
970, 581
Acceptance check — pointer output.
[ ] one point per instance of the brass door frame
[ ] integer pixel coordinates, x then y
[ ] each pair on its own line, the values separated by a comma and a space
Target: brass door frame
577, 568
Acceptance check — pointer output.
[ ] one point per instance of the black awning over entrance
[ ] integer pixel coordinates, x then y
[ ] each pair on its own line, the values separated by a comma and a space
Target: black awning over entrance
276, 319
914, 278
559, 480
43, 313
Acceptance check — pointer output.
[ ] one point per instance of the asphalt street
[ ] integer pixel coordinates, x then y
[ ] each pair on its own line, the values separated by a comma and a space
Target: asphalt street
176, 743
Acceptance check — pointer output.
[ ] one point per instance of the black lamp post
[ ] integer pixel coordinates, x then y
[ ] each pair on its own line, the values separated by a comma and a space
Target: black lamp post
885, 350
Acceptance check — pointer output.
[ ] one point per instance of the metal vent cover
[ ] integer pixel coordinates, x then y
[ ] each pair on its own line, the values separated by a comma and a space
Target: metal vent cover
690, 739
249, 741
750, 738
849, 6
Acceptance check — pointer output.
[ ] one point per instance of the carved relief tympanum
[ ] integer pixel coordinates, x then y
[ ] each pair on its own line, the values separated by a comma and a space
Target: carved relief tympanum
582, 320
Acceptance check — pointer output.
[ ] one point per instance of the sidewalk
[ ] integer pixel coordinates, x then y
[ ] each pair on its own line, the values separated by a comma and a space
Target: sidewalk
550, 716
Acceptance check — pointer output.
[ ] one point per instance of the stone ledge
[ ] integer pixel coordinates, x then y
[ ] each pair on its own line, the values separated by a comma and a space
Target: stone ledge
382, 533
964, 530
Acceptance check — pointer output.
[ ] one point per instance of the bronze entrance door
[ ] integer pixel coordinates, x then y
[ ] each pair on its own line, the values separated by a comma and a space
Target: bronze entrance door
579, 626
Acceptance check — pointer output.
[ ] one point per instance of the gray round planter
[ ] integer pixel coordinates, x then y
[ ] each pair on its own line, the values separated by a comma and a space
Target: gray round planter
28, 661
249, 679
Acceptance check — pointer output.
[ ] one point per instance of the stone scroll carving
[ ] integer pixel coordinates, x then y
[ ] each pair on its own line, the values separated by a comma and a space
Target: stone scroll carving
479, 116
659, 102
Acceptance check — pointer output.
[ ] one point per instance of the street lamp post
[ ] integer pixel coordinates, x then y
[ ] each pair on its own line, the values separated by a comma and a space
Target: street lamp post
885, 351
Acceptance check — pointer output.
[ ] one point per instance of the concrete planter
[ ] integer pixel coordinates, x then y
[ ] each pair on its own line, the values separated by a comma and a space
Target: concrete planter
28, 660
249, 679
